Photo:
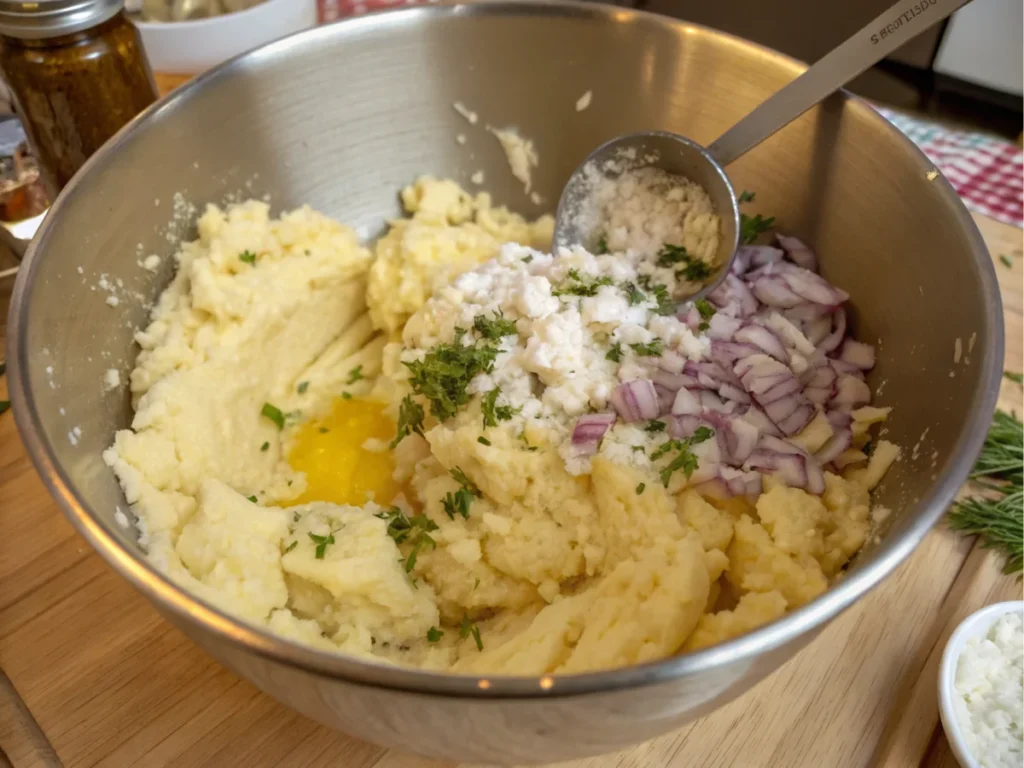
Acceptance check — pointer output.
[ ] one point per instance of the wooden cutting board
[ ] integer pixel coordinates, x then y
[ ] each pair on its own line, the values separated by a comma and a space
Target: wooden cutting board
104, 680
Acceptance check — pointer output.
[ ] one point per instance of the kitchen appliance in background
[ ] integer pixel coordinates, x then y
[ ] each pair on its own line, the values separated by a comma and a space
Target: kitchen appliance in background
967, 69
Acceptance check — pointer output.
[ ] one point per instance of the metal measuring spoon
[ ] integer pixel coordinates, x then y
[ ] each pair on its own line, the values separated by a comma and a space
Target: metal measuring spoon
706, 166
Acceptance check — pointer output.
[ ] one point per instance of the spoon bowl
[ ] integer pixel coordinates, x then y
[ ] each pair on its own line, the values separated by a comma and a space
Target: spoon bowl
671, 153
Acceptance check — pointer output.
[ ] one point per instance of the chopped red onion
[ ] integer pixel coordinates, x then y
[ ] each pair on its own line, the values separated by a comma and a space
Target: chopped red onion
758, 255
741, 483
671, 361
684, 426
736, 437
851, 392
831, 342
841, 367
672, 381
763, 339
636, 400
797, 252
665, 398
858, 354
686, 403
775, 292
734, 393
709, 401
842, 438
801, 282
589, 429
733, 297
759, 419
816, 330
788, 463
709, 460
726, 353
689, 316
722, 327
839, 419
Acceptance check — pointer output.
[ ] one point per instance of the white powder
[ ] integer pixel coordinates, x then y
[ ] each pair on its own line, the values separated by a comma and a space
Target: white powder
477, 178
584, 101
521, 155
988, 694
113, 301
151, 263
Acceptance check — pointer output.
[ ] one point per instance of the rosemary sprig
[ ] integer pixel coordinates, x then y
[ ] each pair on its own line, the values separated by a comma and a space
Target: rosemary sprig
997, 516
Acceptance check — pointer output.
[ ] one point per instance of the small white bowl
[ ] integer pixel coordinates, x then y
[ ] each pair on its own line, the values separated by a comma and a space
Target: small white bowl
975, 625
191, 47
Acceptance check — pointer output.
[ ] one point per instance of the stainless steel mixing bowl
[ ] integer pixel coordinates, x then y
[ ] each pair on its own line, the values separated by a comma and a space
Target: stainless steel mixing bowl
341, 117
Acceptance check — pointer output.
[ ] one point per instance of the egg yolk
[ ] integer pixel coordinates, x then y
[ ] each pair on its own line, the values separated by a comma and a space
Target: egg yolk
338, 468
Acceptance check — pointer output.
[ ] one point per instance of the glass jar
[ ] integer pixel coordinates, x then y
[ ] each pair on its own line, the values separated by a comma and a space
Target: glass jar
78, 73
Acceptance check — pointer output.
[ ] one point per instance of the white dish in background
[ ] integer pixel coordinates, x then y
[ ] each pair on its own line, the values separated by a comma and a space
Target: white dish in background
975, 625
191, 47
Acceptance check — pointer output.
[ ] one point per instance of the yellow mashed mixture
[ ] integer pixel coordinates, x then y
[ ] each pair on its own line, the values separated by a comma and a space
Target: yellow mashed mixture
261, 470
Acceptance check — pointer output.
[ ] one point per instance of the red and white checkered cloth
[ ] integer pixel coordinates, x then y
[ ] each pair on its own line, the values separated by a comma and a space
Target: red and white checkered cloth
987, 172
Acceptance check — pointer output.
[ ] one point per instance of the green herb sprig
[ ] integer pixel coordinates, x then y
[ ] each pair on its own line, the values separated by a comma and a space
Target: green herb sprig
443, 375
684, 458
997, 514
412, 529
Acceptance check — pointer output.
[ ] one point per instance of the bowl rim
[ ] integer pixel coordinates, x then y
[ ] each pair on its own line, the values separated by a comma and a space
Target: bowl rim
195, 25
189, 610
973, 625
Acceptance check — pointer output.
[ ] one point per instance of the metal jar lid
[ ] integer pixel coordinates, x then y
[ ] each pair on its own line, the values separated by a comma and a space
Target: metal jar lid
42, 19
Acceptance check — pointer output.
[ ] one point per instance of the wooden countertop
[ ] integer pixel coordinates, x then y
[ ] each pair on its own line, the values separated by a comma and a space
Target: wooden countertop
109, 683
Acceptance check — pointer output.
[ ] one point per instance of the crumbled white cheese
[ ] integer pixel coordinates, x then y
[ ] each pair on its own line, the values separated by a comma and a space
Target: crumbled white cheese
520, 152
460, 138
470, 116
584, 101
112, 379
988, 694
477, 178
113, 301
151, 262
559, 364
121, 518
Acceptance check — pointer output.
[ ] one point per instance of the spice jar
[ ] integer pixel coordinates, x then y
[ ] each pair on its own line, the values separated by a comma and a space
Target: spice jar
78, 72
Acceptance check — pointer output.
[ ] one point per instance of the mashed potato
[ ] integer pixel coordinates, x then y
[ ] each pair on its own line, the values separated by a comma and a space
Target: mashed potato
514, 546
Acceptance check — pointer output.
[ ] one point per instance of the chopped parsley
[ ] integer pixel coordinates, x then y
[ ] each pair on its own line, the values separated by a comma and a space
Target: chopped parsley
410, 419
323, 430
655, 426
531, 448
493, 413
467, 628
346, 395
684, 459
654, 348
460, 477
303, 386
637, 448
251, 498
274, 414
576, 285
1007, 261
745, 197
706, 310
248, 257
640, 488
615, 353
602, 245
355, 375
483, 440
666, 305
1014, 377
5, 406
414, 529
291, 546
443, 375
322, 543
265, 447
695, 271
527, 258
753, 226
494, 328
434, 635
634, 294
458, 503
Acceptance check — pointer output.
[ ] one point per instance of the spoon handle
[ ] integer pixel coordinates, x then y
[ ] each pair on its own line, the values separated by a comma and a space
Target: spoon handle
870, 45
